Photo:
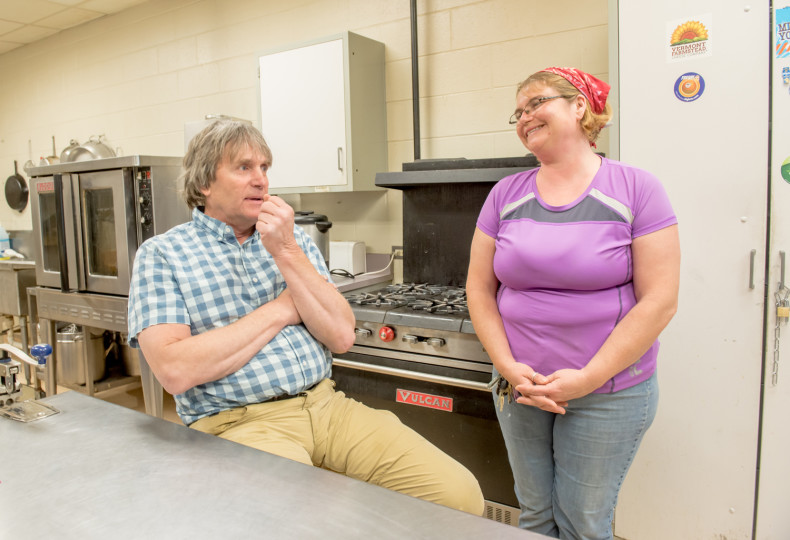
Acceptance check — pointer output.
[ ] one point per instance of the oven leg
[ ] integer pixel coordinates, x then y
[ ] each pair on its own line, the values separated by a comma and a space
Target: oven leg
48, 328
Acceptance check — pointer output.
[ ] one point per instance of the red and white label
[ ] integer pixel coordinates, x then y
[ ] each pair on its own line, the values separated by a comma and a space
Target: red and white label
424, 400
45, 186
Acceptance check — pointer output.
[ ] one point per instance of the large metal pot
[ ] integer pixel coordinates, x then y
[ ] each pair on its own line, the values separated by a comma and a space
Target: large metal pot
65, 155
72, 349
131, 362
94, 148
317, 226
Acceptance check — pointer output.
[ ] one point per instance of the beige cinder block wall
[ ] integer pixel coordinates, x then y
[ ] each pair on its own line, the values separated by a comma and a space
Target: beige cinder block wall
139, 75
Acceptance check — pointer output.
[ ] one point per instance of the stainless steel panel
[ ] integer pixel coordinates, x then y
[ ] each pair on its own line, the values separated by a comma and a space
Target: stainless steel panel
407, 374
14, 281
168, 206
105, 164
96, 310
483, 367
456, 345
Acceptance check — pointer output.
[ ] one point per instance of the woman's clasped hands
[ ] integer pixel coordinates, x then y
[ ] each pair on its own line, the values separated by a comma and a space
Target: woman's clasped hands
549, 392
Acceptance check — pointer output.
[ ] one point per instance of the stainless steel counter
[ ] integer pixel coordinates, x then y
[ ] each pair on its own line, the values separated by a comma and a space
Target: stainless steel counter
381, 272
98, 470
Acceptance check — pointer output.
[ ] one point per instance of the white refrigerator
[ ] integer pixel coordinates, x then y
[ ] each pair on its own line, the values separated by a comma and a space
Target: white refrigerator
701, 90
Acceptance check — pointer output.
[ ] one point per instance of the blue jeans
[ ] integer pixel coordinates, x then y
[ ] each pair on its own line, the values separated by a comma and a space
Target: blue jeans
569, 468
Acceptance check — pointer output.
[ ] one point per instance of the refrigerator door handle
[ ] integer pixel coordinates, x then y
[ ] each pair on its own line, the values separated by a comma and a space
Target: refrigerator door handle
781, 270
752, 255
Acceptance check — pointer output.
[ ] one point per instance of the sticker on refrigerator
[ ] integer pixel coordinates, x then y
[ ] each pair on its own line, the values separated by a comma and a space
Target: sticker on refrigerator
783, 32
785, 170
689, 86
689, 38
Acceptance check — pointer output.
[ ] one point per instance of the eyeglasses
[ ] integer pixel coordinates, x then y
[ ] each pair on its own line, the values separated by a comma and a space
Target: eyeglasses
532, 106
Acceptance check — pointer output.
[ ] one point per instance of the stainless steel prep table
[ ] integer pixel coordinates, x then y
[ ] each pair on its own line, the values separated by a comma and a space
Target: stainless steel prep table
98, 470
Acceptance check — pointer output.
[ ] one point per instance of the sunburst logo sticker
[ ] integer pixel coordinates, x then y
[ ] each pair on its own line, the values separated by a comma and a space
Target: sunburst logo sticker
689, 32
689, 38
689, 87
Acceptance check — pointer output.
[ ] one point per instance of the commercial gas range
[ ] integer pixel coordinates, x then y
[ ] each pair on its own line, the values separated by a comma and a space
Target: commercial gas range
416, 354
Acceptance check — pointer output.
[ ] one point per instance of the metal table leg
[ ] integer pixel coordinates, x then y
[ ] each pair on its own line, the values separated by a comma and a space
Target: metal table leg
152, 389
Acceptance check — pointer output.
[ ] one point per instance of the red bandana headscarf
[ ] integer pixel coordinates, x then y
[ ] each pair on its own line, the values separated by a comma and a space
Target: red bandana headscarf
595, 90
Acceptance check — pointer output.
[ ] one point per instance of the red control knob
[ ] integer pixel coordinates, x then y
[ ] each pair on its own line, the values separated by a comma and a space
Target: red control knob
386, 333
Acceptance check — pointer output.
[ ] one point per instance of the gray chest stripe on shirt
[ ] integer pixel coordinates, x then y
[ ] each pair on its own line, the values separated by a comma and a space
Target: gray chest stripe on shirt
591, 208
516, 204
614, 204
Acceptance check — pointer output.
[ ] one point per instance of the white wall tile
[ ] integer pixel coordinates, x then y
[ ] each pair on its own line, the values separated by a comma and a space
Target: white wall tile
139, 75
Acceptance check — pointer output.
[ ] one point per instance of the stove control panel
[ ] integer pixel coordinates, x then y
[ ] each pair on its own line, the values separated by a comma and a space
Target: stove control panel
383, 337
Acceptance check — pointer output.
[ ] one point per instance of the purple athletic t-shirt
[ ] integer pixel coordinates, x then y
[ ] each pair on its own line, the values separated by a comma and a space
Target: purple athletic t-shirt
566, 271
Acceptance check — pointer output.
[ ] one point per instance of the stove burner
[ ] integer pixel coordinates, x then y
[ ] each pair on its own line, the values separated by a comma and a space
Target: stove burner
444, 305
377, 299
420, 289
440, 299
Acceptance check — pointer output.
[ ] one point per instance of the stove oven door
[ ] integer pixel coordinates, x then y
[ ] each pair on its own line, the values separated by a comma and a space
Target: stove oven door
448, 405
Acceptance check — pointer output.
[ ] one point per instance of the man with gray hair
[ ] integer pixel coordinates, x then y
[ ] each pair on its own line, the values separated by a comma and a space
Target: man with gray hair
236, 314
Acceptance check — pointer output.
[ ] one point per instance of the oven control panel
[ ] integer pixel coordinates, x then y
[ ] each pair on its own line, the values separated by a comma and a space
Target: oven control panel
145, 211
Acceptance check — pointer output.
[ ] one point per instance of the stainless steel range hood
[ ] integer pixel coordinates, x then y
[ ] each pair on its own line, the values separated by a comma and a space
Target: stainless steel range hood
455, 171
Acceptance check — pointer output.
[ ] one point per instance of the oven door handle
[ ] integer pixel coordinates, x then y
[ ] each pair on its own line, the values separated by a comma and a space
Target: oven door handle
384, 370
60, 218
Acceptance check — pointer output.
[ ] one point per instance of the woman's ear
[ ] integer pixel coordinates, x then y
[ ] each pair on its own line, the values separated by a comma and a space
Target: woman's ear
581, 106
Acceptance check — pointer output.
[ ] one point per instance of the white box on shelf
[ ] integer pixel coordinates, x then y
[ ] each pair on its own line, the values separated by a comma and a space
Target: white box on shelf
349, 256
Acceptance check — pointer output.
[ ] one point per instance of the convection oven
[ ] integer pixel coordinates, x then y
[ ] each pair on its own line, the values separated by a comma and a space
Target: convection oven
89, 218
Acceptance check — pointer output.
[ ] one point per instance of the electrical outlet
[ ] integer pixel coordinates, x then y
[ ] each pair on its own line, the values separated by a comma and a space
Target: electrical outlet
397, 251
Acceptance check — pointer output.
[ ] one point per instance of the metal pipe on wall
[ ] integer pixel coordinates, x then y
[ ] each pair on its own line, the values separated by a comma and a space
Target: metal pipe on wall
415, 81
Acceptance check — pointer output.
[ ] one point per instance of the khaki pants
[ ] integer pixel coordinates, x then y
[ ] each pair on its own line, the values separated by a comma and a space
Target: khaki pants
324, 428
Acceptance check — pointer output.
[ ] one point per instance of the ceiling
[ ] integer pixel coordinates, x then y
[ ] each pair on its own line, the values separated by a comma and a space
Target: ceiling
26, 21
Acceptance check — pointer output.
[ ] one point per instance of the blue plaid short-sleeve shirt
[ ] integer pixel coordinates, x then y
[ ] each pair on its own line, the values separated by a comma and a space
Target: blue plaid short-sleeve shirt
199, 275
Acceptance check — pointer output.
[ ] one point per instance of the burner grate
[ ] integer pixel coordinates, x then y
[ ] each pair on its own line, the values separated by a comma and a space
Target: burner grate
439, 299
377, 299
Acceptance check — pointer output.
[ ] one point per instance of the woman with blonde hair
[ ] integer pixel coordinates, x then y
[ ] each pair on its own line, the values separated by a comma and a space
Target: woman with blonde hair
574, 273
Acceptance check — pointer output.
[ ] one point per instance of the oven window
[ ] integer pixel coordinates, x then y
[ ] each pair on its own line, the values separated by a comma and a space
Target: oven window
101, 248
49, 231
